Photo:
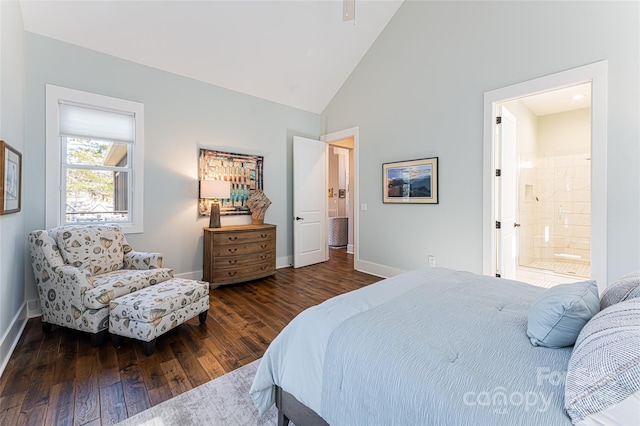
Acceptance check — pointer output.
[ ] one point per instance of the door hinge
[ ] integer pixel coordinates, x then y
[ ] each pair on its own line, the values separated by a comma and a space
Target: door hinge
498, 120
498, 172
498, 224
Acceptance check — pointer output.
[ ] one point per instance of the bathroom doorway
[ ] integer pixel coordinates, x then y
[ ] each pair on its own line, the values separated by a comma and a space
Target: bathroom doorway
340, 194
547, 186
595, 74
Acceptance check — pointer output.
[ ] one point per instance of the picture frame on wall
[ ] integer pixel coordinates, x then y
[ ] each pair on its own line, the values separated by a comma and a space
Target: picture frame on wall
10, 179
413, 181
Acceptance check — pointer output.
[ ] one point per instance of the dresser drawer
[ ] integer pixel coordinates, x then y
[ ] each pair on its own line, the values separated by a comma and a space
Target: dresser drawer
243, 260
232, 238
233, 275
242, 249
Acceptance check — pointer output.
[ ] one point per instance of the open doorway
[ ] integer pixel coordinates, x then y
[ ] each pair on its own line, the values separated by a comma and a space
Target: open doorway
342, 194
596, 75
543, 148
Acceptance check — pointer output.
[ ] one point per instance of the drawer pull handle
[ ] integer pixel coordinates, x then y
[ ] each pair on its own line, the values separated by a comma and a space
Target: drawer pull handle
233, 250
263, 246
263, 235
233, 261
263, 257
233, 238
262, 268
232, 273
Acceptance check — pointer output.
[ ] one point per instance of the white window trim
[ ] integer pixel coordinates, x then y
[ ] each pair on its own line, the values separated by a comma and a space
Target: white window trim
53, 169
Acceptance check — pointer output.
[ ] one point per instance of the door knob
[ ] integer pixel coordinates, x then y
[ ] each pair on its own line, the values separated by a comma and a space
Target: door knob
299, 218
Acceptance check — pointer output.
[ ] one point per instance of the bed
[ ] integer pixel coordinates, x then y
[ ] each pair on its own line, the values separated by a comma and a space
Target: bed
430, 346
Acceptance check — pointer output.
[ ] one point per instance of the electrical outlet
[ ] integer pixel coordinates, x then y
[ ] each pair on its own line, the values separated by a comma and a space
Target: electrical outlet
363, 207
432, 261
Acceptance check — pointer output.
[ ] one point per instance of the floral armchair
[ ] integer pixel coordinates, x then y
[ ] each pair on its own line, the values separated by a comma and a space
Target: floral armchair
79, 269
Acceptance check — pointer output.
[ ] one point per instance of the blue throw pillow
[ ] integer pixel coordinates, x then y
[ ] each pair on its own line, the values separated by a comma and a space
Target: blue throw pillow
557, 317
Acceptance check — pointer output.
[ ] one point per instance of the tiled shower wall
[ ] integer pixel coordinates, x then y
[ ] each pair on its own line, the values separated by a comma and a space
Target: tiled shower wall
555, 205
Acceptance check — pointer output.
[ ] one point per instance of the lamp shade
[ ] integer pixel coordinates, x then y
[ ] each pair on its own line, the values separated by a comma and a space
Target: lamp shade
215, 189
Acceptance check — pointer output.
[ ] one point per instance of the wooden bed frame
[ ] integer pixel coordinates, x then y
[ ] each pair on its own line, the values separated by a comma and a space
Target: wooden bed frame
290, 409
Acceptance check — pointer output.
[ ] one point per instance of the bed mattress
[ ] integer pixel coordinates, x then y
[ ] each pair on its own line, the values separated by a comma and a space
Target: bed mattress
430, 346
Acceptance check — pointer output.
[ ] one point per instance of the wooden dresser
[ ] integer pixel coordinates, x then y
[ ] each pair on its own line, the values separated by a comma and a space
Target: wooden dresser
234, 254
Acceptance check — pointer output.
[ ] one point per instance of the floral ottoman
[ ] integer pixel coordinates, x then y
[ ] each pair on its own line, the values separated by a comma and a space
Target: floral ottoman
152, 311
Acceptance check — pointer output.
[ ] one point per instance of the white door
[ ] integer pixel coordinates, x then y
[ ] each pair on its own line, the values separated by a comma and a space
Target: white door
506, 187
309, 201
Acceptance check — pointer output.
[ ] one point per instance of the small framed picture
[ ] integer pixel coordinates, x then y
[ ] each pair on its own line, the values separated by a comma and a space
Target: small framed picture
414, 181
10, 179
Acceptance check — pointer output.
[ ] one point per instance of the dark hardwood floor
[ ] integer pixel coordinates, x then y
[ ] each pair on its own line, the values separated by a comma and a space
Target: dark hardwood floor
58, 378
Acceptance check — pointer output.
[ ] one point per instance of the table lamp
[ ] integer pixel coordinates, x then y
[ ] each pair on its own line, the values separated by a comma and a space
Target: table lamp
215, 189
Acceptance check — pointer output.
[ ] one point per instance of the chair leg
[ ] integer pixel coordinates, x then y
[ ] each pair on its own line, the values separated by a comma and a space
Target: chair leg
116, 340
97, 339
46, 327
202, 316
149, 347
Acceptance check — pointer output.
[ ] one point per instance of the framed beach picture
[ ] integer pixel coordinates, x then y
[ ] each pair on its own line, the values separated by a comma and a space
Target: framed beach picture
414, 181
10, 179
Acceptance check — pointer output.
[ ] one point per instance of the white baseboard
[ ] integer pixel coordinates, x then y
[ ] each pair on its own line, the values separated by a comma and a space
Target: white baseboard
350, 248
10, 339
376, 269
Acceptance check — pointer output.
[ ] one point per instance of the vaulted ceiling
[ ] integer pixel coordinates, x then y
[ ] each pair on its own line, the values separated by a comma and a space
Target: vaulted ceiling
297, 52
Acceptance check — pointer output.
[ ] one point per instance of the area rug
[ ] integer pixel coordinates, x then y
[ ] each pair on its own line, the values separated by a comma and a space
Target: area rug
224, 401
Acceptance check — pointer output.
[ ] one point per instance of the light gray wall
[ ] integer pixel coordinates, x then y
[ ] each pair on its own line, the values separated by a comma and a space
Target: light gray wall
12, 236
418, 92
181, 115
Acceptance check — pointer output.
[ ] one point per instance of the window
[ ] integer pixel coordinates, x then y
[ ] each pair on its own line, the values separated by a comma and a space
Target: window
95, 148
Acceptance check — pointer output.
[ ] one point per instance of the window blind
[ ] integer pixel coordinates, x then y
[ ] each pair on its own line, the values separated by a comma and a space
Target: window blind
86, 122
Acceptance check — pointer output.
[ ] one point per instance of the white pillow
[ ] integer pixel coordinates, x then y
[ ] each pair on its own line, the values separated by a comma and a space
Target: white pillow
625, 288
603, 375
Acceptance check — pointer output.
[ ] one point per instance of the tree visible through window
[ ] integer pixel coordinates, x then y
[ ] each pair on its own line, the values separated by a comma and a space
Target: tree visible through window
95, 159
96, 180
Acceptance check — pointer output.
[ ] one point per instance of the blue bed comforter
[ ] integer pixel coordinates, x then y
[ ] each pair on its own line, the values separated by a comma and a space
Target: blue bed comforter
431, 346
